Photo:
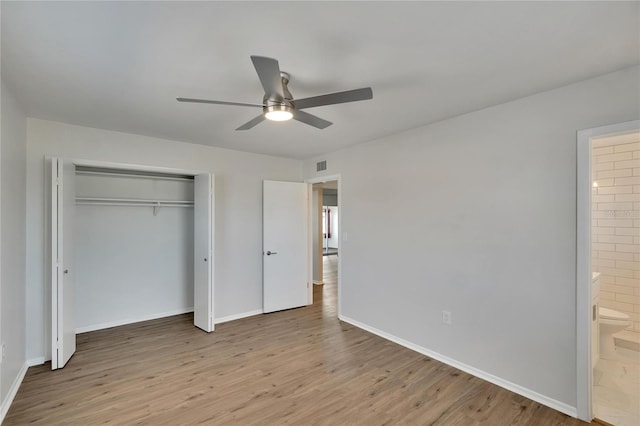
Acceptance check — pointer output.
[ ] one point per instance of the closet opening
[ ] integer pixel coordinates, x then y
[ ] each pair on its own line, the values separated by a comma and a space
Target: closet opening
128, 245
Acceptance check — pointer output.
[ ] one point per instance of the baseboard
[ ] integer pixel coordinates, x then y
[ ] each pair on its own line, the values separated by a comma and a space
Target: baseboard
102, 326
13, 390
36, 361
237, 316
317, 282
513, 387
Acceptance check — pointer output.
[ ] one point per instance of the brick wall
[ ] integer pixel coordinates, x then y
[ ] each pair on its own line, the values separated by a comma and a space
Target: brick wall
616, 223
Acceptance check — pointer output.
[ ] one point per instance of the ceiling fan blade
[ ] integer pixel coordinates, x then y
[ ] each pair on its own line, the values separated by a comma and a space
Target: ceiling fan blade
335, 98
310, 119
205, 101
269, 73
252, 123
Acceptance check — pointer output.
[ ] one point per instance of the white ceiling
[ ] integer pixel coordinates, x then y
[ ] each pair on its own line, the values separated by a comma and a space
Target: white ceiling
120, 65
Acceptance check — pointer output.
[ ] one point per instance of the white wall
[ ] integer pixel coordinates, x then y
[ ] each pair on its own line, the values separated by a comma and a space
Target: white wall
12, 247
480, 221
238, 209
132, 264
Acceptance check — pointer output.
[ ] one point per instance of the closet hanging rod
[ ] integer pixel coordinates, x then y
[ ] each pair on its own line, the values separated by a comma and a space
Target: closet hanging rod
93, 203
128, 201
131, 175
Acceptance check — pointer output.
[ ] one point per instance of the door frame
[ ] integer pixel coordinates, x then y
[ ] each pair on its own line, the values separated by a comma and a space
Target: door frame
584, 375
137, 168
341, 240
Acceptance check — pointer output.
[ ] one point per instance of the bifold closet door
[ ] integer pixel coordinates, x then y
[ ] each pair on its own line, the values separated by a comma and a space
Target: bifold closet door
203, 263
63, 325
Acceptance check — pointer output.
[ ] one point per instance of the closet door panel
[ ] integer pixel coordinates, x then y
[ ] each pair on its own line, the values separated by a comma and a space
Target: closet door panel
62, 261
203, 263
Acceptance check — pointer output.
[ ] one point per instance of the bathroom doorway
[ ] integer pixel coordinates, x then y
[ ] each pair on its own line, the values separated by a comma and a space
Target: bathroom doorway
609, 274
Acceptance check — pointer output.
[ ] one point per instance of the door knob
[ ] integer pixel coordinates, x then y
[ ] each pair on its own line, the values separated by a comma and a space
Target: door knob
269, 252
66, 271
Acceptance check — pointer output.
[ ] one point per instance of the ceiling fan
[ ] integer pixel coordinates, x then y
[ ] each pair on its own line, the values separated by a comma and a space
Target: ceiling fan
278, 103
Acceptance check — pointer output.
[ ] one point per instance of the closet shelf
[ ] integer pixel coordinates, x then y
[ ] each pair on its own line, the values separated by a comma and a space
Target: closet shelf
111, 173
132, 202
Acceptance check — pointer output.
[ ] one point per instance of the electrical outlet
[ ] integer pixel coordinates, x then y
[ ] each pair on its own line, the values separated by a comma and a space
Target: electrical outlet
446, 317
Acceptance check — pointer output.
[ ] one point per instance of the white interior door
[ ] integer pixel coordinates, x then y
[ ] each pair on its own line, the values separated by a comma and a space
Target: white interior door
63, 308
286, 245
203, 263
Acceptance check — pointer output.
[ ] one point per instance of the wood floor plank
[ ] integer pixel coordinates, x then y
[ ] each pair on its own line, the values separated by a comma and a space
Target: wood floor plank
299, 367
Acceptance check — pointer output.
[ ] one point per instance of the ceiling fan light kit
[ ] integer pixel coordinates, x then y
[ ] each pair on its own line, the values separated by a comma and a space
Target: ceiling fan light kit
279, 105
278, 113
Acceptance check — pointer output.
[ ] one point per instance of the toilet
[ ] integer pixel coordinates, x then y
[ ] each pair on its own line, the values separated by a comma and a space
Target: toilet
611, 321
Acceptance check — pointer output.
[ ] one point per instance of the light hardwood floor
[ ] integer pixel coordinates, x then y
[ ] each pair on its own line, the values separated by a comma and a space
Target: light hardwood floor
298, 367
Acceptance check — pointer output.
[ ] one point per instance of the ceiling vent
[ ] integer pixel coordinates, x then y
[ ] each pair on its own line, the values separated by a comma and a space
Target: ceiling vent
321, 166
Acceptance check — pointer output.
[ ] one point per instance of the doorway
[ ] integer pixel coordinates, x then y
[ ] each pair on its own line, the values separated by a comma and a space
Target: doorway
615, 263
602, 246
326, 229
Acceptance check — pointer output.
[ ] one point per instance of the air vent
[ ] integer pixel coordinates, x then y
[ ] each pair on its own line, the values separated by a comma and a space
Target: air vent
321, 165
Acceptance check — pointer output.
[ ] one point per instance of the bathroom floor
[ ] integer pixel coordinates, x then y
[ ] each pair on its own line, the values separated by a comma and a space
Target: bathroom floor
616, 389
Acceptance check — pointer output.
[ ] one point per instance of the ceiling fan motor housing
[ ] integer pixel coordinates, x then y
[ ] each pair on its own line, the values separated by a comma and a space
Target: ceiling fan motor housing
272, 102
271, 99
